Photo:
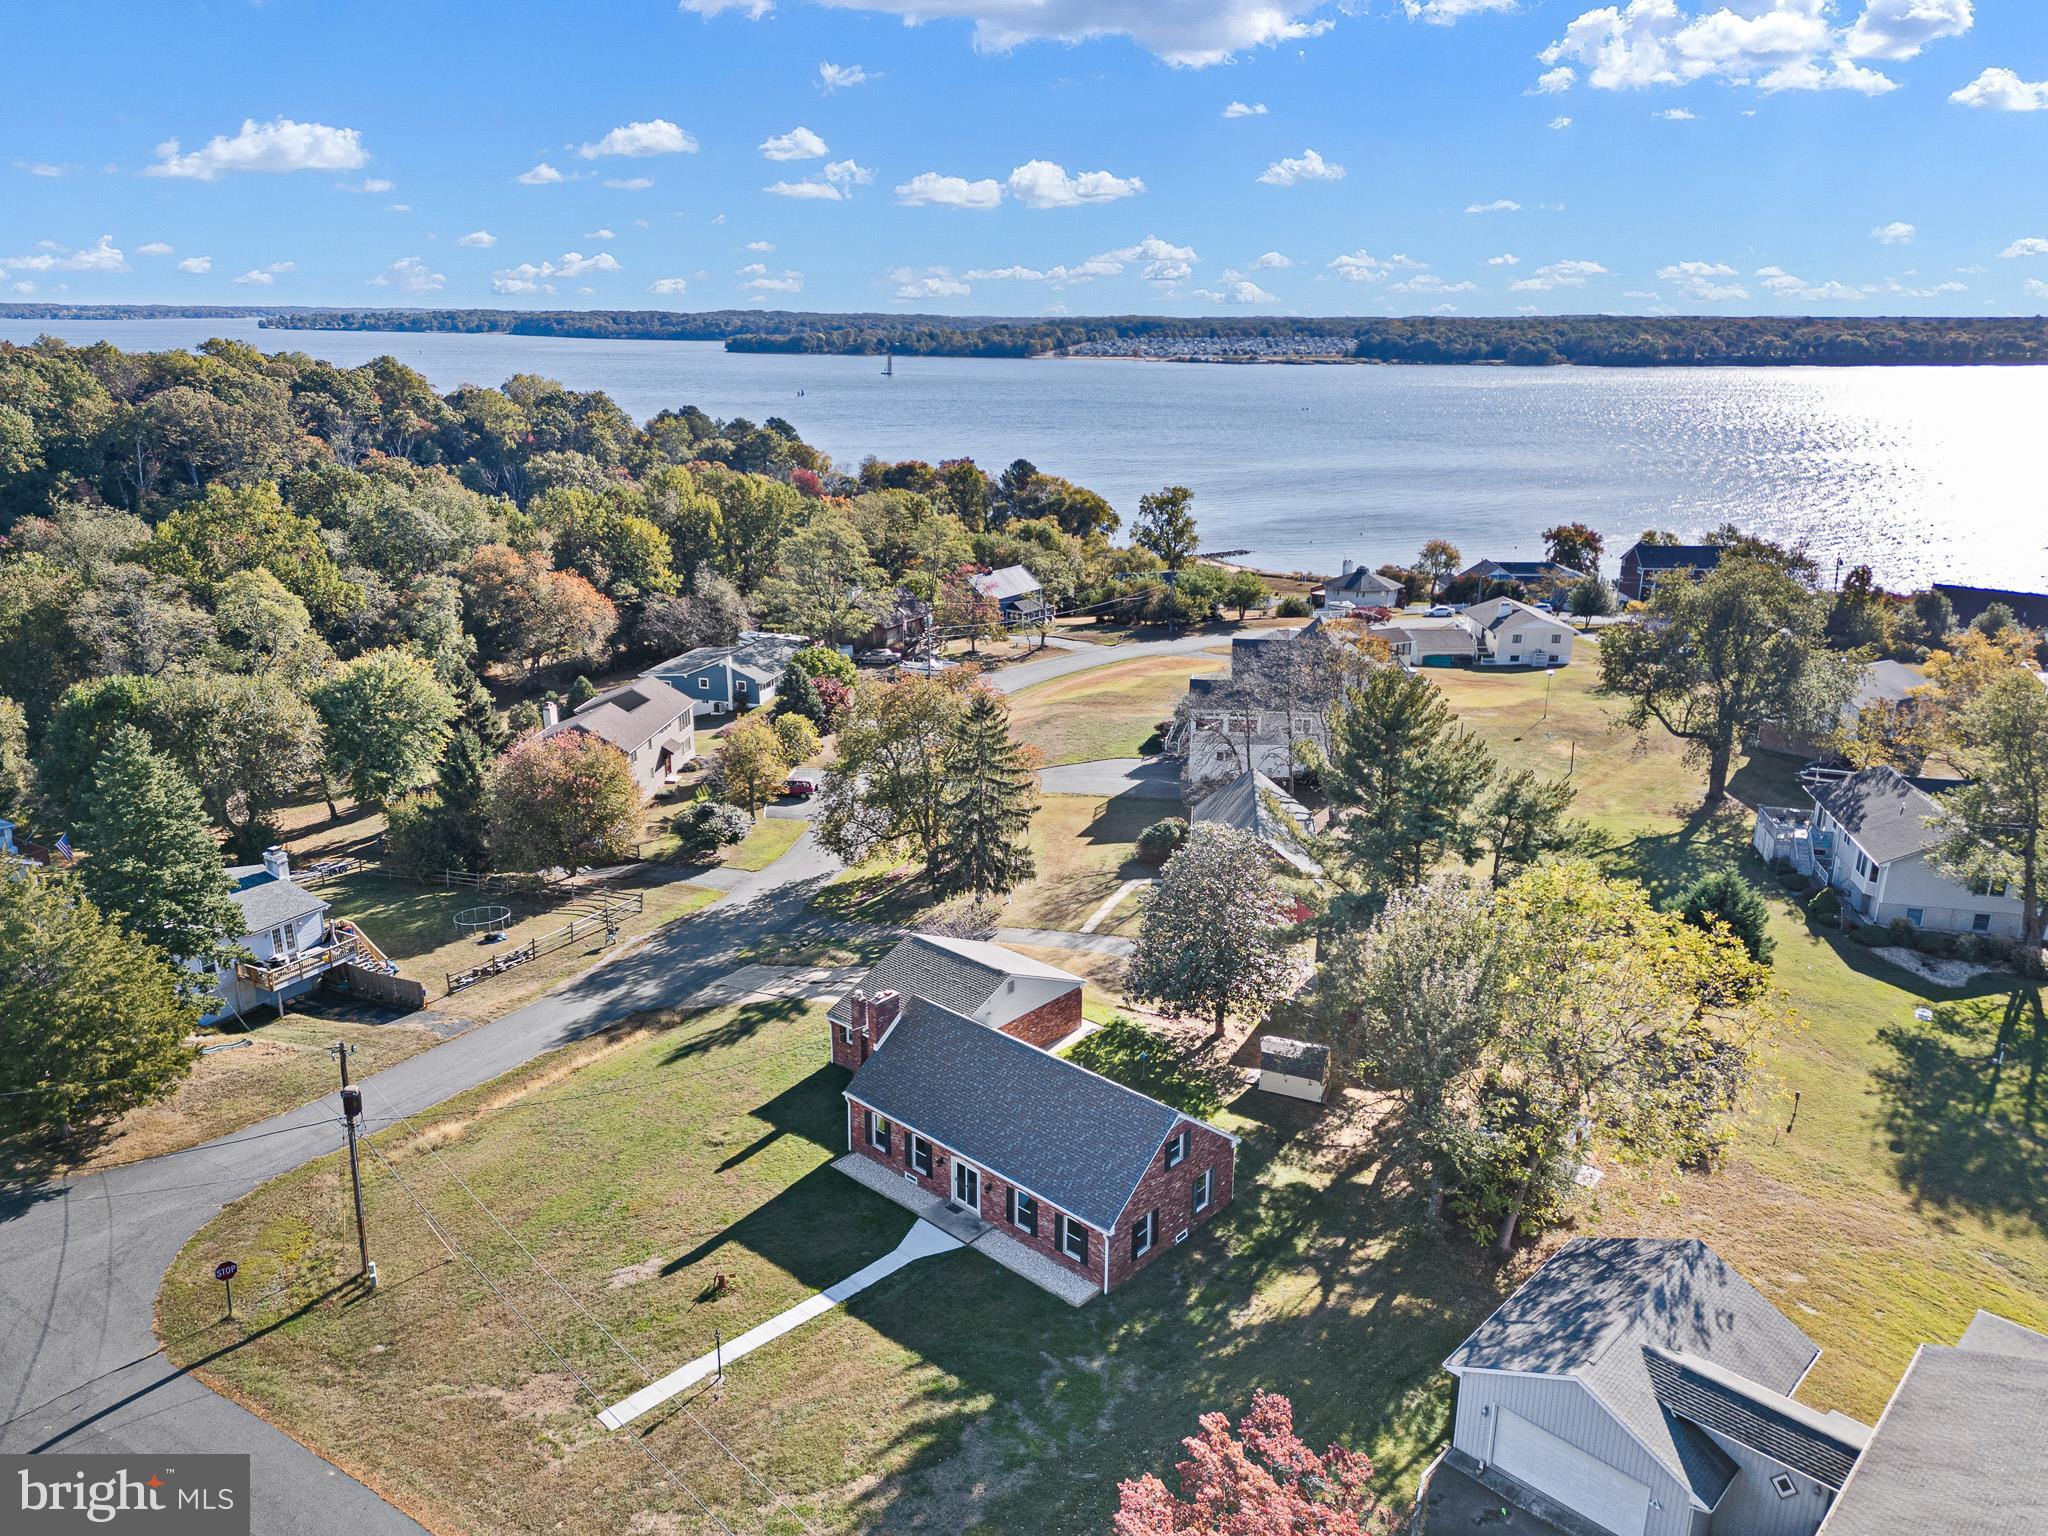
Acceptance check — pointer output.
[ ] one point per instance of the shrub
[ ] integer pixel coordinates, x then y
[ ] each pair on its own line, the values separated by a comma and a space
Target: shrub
1293, 606
711, 824
1161, 841
799, 738
581, 692
1903, 931
2030, 961
1826, 907
413, 839
1872, 934
1934, 943
1728, 898
1971, 947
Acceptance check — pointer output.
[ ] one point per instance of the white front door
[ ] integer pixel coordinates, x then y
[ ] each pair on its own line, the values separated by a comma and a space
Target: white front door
967, 1186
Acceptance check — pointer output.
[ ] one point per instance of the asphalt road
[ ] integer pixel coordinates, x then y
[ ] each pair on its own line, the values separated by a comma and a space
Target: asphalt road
81, 1260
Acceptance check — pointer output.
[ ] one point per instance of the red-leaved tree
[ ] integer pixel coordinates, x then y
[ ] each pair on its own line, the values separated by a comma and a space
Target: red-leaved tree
1262, 1481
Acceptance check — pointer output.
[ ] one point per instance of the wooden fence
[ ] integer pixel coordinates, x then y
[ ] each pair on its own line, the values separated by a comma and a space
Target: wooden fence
603, 910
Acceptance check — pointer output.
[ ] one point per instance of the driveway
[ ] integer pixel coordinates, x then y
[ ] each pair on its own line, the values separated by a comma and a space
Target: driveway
1080, 657
81, 1260
1148, 778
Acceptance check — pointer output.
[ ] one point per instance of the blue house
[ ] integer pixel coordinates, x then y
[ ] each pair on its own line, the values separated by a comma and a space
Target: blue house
731, 679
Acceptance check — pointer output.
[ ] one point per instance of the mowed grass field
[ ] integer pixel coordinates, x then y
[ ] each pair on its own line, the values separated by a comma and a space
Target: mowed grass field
951, 1397
1105, 711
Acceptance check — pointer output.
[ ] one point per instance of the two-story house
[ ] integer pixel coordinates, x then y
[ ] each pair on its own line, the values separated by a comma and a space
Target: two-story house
1644, 566
290, 942
651, 723
731, 679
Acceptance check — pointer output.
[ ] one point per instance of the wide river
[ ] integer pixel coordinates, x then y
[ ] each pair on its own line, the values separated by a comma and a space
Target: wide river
1922, 473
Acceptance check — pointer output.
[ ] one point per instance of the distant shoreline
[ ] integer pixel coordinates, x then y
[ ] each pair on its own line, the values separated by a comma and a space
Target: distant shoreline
1597, 341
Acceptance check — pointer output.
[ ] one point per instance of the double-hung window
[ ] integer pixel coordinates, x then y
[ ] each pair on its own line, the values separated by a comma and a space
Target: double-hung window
878, 1132
921, 1155
1177, 1149
1073, 1239
1023, 1212
1143, 1234
1205, 1189
1980, 922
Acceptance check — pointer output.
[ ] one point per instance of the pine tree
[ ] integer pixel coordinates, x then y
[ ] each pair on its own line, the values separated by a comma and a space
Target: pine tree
1407, 776
153, 861
463, 811
475, 713
985, 805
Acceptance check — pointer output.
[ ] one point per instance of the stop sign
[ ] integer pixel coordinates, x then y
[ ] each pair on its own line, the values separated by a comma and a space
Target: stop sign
226, 1269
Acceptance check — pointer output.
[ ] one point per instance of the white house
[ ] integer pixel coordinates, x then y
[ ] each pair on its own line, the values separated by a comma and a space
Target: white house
1500, 632
731, 679
1357, 587
1872, 835
289, 938
653, 724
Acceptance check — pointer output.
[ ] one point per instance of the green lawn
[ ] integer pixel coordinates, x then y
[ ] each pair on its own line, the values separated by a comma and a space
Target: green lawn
1108, 711
952, 1397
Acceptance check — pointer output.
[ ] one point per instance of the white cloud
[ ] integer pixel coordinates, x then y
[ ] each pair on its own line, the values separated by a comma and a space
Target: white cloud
840, 77
1678, 115
1005, 274
1899, 29
257, 277
658, 136
478, 239
1236, 291
760, 245
932, 283
1898, 232
1558, 274
1245, 109
2032, 245
153, 248
101, 256
669, 285
797, 144
1775, 45
1193, 33
398, 207
1309, 166
600, 234
532, 277
411, 274
1042, 184
375, 184
787, 282
753, 10
1551, 81
278, 145
1364, 267
1271, 259
1702, 280
1164, 261
629, 183
39, 167
24, 286
539, 176
1784, 285
841, 176
1560, 121
199, 266
2034, 286
2001, 90
1498, 205
1443, 13
929, 188
1505, 259
1429, 282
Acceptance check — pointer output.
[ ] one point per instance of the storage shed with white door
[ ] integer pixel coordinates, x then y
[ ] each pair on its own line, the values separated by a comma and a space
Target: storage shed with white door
1295, 1069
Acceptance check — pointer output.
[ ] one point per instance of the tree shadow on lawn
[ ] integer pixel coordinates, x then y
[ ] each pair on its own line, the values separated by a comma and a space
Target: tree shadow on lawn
746, 1021
1963, 1104
1704, 843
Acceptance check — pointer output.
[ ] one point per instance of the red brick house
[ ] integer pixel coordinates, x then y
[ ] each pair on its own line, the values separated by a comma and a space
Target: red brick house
994, 986
1089, 1174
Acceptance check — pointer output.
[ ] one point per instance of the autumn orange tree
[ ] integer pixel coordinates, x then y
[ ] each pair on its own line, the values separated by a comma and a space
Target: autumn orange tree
1261, 1481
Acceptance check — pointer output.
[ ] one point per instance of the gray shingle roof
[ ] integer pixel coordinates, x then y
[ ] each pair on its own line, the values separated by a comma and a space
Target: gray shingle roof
1962, 1448
761, 654
1298, 1058
1361, 582
960, 974
268, 902
1991, 1334
1589, 1311
1247, 803
1066, 1135
1823, 1446
1669, 557
1007, 583
628, 717
1886, 812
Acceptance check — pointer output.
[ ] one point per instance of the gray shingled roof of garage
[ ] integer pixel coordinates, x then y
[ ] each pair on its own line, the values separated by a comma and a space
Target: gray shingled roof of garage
1058, 1131
1823, 1446
960, 974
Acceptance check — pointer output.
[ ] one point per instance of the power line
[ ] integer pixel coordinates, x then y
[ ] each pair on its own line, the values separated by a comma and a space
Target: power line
455, 1250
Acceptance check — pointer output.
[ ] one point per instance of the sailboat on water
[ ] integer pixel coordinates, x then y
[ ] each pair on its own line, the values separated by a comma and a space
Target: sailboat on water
889, 365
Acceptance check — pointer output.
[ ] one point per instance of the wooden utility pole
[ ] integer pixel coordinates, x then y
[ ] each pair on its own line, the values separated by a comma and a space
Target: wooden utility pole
351, 1108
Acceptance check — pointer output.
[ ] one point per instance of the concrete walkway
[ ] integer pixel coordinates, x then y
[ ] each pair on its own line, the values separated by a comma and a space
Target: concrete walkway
1059, 938
1101, 914
920, 1242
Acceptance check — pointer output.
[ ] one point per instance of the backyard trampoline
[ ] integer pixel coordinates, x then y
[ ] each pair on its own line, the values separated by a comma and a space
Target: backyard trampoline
487, 924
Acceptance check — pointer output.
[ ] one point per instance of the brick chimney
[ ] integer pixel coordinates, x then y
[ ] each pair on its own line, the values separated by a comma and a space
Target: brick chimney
872, 1019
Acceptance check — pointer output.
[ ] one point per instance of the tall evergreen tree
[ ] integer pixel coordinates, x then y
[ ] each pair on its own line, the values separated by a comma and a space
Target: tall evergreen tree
154, 863
475, 712
463, 812
985, 805
1406, 776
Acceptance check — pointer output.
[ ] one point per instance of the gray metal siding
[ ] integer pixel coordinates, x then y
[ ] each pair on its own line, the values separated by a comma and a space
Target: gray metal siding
1751, 1506
1565, 1408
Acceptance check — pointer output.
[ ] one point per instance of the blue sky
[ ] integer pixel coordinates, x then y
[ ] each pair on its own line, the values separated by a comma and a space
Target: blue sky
1034, 156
